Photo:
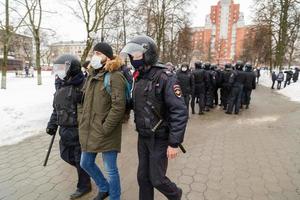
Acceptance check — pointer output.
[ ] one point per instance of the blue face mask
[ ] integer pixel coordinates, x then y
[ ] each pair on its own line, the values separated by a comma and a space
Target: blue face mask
137, 63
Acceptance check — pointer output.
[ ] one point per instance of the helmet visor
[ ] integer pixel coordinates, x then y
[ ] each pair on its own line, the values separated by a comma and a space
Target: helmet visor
60, 67
134, 50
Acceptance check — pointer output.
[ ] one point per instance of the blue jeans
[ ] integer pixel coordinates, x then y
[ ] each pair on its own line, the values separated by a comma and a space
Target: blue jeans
112, 186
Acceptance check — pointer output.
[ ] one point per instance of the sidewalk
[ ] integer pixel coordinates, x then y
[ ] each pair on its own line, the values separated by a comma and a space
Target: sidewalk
254, 156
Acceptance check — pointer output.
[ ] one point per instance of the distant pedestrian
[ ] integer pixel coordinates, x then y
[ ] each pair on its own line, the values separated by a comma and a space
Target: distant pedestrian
296, 75
289, 76
274, 78
280, 78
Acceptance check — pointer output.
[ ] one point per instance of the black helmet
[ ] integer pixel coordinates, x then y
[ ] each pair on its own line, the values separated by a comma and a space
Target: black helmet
228, 66
207, 66
213, 67
71, 63
144, 44
248, 67
239, 65
198, 65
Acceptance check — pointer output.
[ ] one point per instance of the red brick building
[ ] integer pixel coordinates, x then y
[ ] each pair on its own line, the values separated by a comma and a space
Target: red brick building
221, 39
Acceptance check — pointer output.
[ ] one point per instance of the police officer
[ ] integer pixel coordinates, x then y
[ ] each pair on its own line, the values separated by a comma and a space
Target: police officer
67, 104
250, 84
237, 79
160, 118
186, 82
215, 76
209, 87
225, 85
199, 84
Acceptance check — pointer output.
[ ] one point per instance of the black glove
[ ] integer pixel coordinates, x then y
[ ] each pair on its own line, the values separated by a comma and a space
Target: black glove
51, 131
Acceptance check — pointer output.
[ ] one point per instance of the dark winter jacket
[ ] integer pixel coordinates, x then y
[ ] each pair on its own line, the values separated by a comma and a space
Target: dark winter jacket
158, 91
250, 82
274, 76
69, 134
296, 75
186, 82
199, 81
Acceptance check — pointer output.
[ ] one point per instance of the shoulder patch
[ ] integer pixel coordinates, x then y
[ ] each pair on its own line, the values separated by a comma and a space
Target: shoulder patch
177, 90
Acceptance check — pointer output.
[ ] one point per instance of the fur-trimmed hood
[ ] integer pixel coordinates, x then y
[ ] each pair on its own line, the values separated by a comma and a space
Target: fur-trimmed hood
114, 65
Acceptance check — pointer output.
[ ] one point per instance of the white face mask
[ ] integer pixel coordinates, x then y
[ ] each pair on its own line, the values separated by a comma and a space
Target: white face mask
61, 74
184, 69
96, 62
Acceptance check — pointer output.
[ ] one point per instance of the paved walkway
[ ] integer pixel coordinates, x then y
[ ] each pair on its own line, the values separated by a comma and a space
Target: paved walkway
252, 156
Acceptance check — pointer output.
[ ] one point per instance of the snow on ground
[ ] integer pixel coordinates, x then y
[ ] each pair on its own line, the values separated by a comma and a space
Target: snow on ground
25, 107
292, 91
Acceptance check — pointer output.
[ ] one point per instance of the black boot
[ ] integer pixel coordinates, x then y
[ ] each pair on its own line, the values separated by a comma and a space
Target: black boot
227, 112
247, 106
101, 196
80, 192
193, 111
180, 193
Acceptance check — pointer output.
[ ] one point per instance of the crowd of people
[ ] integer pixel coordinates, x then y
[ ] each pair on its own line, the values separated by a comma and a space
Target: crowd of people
89, 108
280, 77
210, 86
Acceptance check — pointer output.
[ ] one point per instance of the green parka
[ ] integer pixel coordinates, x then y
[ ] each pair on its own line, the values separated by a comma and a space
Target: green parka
100, 123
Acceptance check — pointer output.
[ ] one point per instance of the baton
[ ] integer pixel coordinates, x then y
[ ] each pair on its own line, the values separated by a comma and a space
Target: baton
49, 150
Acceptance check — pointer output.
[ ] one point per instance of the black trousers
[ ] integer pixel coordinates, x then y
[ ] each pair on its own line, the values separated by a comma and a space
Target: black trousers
278, 85
247, 96
201, 102
225, 92
71, 155
235, 99
187, 101
152, 169
273, 83
216, 96
287, 82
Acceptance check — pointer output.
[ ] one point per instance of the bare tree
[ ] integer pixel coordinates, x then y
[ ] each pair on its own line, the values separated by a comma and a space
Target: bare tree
162, 20
92, 13
279, 16
9, 31
34, 9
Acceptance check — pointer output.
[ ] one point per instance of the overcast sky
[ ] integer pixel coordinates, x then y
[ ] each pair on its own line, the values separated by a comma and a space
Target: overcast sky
68, 27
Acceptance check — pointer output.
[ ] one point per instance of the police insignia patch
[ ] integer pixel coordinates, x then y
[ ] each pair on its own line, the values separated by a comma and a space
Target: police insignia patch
177, 90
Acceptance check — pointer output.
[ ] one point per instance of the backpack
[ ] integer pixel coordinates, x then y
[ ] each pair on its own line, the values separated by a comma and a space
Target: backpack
280, 77
128, 87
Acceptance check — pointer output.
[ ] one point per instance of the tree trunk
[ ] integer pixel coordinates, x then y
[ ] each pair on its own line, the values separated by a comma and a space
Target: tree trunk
38, 58
89, 44
5, 47
4, 66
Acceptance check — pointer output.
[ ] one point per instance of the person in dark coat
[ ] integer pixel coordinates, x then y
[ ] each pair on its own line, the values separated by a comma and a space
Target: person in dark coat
216, 76
209, 87
280, 78
186, 82
250, 84
199, 92
288, 77
274, 78
160, 117
257, 75
237, 79
296, 75
225, 85
67, 106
